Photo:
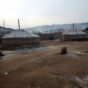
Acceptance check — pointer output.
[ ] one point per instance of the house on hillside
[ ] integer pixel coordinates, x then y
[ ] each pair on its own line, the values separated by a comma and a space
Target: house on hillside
20, 39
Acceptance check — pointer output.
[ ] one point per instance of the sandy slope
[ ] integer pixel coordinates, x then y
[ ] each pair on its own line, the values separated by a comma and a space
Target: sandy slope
47, 68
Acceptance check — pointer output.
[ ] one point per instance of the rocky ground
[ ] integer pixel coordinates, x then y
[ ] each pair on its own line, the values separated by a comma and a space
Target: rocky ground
45, 67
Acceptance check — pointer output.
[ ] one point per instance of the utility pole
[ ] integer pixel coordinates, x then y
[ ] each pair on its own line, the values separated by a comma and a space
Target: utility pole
19, 24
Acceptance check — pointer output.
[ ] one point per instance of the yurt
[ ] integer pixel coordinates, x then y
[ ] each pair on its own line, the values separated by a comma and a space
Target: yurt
20, 39
74, 36
49, 36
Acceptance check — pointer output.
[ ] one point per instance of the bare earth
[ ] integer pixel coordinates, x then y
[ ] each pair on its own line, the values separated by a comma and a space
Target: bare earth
46, 68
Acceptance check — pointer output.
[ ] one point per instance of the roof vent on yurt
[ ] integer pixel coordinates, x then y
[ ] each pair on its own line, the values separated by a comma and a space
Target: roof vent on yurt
18, 24
74, 28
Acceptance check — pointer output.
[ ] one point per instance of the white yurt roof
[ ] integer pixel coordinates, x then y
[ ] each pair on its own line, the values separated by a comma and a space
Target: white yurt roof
20, 33
75, 32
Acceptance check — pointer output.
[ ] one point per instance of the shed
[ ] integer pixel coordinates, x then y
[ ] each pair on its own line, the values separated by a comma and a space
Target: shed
20, 39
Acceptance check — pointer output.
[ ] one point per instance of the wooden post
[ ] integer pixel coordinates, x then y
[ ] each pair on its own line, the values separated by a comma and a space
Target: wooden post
64, 51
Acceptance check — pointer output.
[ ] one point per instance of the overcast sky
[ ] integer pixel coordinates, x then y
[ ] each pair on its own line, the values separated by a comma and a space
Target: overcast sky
42, 12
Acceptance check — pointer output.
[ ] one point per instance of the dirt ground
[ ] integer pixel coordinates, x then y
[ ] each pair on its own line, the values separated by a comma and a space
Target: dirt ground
47, 68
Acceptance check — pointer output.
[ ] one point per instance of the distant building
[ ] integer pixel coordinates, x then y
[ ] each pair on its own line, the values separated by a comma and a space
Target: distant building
20, 39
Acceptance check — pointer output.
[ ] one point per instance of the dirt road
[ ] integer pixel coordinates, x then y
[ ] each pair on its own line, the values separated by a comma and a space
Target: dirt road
46, 68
